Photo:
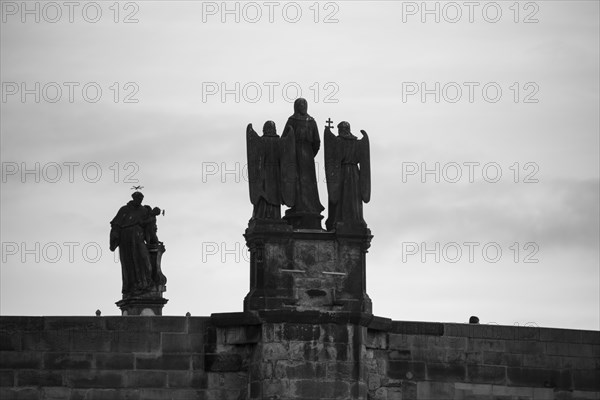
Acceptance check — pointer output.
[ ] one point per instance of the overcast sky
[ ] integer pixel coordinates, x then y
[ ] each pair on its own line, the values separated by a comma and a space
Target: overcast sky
484, 128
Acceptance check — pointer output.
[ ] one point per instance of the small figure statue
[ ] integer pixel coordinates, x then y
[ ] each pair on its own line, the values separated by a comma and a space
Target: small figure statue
133, 231
271, 171
306, 211
348, 171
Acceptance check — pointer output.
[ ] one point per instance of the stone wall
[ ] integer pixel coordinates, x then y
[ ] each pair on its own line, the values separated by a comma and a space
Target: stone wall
293, 355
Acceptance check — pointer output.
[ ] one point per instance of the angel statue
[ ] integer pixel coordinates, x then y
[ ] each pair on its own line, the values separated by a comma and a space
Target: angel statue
271, 171
348, 171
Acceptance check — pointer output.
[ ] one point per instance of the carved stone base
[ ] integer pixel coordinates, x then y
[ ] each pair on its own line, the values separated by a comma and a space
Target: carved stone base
306, 269
303, 220
150, 303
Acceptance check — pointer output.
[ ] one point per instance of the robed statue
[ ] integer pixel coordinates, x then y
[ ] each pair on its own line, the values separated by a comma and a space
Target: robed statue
348, 172
271, 171
133, 231
306, 211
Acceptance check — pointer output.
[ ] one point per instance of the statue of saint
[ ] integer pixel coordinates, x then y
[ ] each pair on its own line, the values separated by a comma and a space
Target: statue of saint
133, 231
271, 171
348, 171
306, 211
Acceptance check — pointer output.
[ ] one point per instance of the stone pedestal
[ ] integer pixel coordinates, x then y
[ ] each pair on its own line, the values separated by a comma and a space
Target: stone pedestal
150, 303
306, 269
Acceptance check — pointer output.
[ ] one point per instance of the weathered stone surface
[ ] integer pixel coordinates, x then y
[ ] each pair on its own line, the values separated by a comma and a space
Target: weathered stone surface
7, 378
94, 379
68, 360
306, 270
223, 362
163, 362
490, 374
147, 379
39, 378
187, 379
20, 360
119, 361
290, 355
406, 370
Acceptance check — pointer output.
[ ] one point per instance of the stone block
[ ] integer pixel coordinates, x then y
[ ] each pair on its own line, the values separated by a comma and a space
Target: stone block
347, 371
406, 370
417, 328
20, 393
21, 324
56, 393
176, 343
475, 344
163, 362
277, 351
145, 379
329, 352
7, 378
399, 342
134, 342
586, 380
334, 333
197, 324
489, 374
532, 377
575, 362
376, 339
527, 333
272, 332
432, 354
187, 379
117, 361
374, 382
68, 361
198, 362
180, 394
400, 355
501, 358
590, 337
97, 341
319, 389
168, 324
227, 380
526, 347
10, 341
572, 349
39, 378
242, 334
223, 362
435, 390
74, 323
106, 394
128, 323
287, 369
560, 335
542, 361
301, 332
445, 372
46, 341
20, 360
94, 379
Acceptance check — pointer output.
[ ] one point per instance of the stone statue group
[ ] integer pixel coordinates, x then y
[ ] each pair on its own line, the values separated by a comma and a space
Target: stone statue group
281, 170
